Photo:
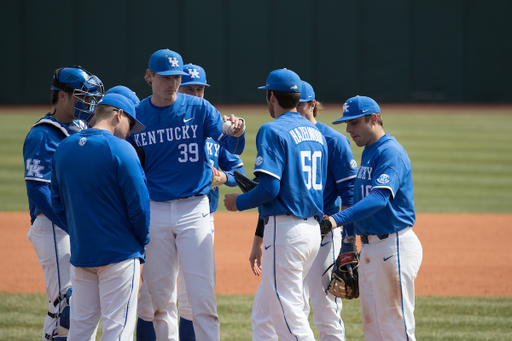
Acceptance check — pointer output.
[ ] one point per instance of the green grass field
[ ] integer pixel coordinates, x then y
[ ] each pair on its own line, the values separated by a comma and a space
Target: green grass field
437, 318
462, 162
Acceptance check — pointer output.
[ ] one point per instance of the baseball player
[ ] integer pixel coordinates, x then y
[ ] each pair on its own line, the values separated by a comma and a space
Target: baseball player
108, 223
193, 84
342, 169
126, 92
74, 94
292, 168
179, 179
383, 214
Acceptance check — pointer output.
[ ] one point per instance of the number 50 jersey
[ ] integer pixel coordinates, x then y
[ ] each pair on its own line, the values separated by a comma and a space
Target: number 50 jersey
292, 150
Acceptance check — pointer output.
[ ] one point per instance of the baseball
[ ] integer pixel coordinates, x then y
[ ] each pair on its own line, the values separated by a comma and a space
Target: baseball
227, 128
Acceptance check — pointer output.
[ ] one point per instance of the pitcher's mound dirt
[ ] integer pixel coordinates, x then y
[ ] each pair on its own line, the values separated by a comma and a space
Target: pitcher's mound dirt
463, 254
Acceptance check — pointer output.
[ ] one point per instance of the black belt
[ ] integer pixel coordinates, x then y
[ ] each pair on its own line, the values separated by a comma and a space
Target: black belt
364, 238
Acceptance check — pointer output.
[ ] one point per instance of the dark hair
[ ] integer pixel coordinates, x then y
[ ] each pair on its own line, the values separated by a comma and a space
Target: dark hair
286, 99
368, 118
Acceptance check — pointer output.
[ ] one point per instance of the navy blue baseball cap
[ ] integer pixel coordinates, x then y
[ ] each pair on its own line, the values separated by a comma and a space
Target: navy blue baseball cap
307, 94
195, 75
122, 102
283, 80
166, 63
126, 92
356, 107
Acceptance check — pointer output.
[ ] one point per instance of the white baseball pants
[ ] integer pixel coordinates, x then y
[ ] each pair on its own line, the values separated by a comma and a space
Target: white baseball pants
387, 272
181, 235
108, 292
290, 247
326, 307
52, 247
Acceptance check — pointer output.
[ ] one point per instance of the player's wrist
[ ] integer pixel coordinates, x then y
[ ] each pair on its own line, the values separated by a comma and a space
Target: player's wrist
223, 178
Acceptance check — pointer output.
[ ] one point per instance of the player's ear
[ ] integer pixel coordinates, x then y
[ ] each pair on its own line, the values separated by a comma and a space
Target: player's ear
63, 95
375, 118
313, 105
149, 75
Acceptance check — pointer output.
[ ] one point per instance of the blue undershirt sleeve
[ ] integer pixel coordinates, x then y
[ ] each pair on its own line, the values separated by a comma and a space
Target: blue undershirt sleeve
267, 189
230, 174
373, 202
40, 194
346, 192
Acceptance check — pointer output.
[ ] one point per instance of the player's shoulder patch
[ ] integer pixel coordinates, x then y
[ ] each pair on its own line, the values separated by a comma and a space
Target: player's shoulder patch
383, 179
353, 164
258, 161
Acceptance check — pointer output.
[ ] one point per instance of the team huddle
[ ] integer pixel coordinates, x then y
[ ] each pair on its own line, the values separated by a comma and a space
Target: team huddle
157, 164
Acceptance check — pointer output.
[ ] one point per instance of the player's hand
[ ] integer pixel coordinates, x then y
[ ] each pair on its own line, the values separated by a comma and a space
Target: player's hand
256, 255
237, 123
230, 201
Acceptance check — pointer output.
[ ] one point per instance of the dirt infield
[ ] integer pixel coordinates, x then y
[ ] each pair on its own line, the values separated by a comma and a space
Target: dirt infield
464, 254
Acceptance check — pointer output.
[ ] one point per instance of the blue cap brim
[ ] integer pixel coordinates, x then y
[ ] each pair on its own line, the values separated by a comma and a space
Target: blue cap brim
171, 73
345, 119
195, 83
137, 127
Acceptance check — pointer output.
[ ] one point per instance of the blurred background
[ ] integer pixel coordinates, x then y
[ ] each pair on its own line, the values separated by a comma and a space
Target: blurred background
409, 51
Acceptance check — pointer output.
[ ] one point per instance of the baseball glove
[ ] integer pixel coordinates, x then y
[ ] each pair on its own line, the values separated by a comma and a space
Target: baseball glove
244, 182
325, 226
344, 278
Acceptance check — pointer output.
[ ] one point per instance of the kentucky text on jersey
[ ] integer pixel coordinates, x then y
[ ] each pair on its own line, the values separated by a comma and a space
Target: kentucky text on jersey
210, 147
364, 172
167, 134
301, 134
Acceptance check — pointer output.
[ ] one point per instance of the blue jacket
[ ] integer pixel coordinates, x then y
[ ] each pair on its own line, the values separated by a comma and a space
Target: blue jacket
99, 192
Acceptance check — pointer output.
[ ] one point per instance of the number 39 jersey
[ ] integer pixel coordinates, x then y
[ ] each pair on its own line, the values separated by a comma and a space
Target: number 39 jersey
293, 150
173, 142
386, 165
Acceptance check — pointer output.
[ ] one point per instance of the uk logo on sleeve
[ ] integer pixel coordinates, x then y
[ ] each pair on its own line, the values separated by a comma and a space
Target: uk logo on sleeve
383, 179
259, 161
34, 168
353, 164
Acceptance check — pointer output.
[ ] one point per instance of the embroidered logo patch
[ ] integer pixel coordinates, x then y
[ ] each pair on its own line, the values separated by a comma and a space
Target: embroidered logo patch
353, 164
193, 73
259, 161
82, 141
383, 179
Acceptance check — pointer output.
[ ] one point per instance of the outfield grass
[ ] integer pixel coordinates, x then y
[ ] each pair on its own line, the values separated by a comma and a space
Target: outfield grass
437, 318
462, 162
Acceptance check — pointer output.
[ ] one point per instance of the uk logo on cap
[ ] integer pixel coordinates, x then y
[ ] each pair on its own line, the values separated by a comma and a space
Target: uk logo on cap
174, 62
356, 107
193, 73
166, 63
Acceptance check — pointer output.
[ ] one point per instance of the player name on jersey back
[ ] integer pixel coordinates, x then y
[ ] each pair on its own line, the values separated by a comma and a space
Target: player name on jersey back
302, 134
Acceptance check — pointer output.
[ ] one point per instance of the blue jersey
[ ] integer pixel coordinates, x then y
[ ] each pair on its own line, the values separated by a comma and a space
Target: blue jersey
220, 158
176, 164
292, 150
386, 165
342, 168
101, 197
40, 145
